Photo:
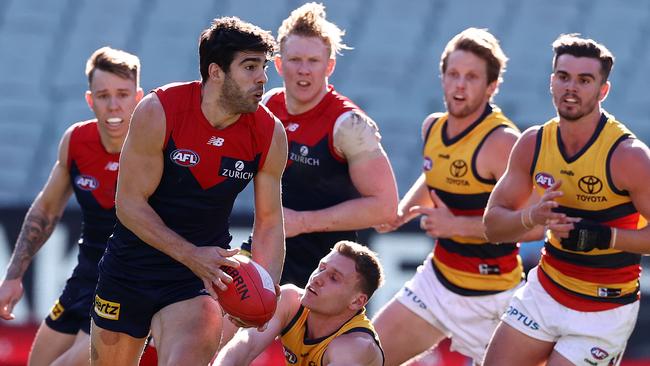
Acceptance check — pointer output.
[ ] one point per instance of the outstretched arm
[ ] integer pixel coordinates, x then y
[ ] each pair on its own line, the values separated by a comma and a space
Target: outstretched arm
248, 343
506, 218
37, 227
268, 230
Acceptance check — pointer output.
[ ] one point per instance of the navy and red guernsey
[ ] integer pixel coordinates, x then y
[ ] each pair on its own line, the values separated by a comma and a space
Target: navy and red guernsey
93, 173
315, 177
205, 168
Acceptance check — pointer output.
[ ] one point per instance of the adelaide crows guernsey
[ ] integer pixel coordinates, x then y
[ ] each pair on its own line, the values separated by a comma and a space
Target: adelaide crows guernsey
599, 279
301, 351
93, 173
467, 266
204, 170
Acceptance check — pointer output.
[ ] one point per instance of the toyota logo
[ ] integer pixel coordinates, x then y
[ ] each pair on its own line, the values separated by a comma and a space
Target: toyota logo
458, 168
590, 184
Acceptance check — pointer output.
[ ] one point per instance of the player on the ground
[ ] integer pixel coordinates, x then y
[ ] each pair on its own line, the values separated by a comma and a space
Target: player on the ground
324, 323
87, 164
192, 147
580, 303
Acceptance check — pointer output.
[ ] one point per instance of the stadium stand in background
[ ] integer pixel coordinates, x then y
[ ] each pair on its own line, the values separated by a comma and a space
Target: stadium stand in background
392, 72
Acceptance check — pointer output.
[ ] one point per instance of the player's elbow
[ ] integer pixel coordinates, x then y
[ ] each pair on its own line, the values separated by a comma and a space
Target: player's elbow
124, 209
491, 234
386, 210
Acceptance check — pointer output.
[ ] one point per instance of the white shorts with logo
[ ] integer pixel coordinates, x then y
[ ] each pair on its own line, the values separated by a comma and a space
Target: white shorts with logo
468, 320
584, 338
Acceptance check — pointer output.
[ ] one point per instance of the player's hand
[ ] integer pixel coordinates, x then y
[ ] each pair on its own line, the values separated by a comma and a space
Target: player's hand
399, 220
586, 236
542, 213
11, 291
294, 222
205, 262
242, 324
439, 221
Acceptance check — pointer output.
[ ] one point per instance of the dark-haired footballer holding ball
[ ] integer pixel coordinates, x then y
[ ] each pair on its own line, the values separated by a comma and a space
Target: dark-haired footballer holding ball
324, 323
192, 147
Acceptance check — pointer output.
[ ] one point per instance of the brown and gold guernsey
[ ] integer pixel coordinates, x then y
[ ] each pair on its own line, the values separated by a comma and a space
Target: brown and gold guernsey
599, 279
468, 266
301, 351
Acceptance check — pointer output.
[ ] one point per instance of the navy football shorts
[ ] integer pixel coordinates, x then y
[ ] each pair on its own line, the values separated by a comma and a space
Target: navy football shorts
127, 305
71, 312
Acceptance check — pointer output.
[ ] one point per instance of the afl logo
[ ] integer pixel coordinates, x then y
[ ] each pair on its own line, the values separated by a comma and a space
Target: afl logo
458, 168
427, 164
544, 180
599, 353
183, 157
304, 150
239, 165
290, 356
86, 182
590, 184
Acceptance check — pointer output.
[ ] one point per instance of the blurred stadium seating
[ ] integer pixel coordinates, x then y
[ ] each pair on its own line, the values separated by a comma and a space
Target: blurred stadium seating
392, 72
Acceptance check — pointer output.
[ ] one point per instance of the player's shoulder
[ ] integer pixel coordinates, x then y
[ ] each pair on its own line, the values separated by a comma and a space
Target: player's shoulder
429, 121
273, 94
291, 291
82, 131
358, 347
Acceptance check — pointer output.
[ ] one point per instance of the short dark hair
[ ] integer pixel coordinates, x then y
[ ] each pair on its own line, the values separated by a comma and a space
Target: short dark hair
574, 45
484, 45
118, 62
225, 37
366, 263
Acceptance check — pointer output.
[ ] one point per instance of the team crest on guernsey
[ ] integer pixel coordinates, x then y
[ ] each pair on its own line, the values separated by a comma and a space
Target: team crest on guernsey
544, 180
86, 182
184, 157
236, 168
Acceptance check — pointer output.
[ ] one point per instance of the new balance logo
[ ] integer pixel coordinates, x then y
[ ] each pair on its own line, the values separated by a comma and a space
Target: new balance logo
292, 127
112, 166
216, 141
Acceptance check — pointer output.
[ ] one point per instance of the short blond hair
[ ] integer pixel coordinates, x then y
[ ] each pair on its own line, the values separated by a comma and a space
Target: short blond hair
310, 20
118, 62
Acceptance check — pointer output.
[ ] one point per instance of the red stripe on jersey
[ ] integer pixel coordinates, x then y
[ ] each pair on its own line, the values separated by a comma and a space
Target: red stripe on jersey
469, 212
595, 275
506, 263
625, 222
570, 300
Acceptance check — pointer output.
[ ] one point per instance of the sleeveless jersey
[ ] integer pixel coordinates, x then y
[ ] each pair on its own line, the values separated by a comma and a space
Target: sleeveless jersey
93, 174
204, 170
301, 351
315, 177
599, 279
467, 266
